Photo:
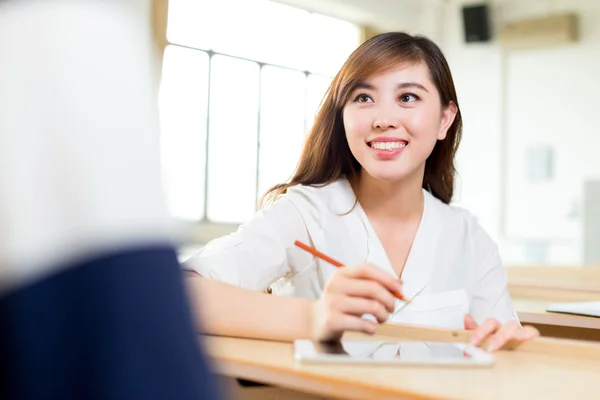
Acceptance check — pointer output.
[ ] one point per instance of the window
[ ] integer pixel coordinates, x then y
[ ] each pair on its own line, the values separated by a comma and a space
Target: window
183, 114
282, 124
233, 139
242, 81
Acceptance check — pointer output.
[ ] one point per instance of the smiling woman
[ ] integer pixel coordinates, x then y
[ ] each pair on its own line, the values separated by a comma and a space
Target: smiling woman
413, 91
372, 190
420, 123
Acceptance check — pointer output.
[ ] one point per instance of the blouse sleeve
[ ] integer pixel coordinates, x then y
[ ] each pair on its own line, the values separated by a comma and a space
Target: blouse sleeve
491, 298
260, 252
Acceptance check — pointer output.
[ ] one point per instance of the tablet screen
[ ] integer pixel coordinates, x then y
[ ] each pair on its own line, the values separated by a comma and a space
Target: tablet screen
390, 352
395, 350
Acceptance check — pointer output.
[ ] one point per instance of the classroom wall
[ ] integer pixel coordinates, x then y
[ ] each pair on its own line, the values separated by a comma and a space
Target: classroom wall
516, 101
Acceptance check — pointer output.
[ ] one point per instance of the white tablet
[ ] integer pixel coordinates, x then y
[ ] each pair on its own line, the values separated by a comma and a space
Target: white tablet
392, 353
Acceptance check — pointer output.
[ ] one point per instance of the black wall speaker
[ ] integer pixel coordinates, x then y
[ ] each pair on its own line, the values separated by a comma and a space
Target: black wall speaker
476, 23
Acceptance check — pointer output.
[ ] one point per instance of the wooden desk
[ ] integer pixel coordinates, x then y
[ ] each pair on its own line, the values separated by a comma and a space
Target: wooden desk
534, 288
533, 312
585, 279
517, 374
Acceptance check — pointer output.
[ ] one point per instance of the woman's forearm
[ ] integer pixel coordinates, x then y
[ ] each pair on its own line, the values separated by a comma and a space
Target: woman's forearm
227, 310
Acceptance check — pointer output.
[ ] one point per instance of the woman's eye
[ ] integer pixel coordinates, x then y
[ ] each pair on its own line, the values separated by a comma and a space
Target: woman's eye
362, 98
409, 98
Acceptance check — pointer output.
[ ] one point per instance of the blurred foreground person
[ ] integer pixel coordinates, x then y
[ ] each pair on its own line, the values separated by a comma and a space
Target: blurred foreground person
92, 304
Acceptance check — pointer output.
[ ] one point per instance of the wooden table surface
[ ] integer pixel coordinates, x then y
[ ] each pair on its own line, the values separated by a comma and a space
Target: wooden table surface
549, 371
517, 374
534, 288
533, 311
579, 279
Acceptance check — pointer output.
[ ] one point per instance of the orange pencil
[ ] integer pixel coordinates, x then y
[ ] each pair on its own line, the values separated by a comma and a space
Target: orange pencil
331, 261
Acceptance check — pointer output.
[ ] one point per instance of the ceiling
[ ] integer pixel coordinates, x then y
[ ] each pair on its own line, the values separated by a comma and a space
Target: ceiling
379, 14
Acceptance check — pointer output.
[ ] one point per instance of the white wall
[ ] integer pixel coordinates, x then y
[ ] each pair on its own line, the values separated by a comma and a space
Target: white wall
513, 100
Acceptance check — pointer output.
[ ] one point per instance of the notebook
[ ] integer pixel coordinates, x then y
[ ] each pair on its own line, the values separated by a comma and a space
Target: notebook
588, 309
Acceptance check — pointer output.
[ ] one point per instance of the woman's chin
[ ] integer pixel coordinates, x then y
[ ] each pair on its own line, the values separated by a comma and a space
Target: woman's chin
387, 176
391, 173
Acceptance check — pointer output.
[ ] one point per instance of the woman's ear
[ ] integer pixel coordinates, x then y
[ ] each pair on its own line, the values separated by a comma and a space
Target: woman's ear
448, 115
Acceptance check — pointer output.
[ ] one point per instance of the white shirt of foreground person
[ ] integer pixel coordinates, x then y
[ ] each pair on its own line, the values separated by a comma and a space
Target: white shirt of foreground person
453, 267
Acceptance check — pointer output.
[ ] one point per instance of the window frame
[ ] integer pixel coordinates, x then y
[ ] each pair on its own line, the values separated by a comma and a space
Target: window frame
203, 230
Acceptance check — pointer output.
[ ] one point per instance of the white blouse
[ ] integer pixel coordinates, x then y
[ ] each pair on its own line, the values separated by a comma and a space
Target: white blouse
453, 267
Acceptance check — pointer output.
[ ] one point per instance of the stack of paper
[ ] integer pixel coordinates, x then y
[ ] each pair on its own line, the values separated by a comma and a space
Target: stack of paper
589, 308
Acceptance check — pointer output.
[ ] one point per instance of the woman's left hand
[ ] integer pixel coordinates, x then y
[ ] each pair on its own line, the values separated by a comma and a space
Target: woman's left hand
500, 335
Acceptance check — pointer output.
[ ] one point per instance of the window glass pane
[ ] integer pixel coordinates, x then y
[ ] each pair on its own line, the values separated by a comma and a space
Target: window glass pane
317, 86
183, 107
279, 36
264, 31
282, 131
332, 41
191, 22
233, 128
260, 30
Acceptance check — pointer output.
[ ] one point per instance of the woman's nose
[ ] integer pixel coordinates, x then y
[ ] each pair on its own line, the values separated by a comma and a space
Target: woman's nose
386, 118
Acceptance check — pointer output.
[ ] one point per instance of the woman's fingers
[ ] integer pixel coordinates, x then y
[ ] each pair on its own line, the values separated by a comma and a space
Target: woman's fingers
503, 335
358, 306
527, 333
484, 330
373, 273
329, 322
345, 322
351, 293
368, 289
470, 323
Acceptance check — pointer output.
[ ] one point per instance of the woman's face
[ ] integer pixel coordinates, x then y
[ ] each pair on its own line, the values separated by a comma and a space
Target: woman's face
393, 120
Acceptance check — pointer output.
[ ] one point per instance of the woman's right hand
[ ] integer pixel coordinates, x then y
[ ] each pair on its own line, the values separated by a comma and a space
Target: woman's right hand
350, 293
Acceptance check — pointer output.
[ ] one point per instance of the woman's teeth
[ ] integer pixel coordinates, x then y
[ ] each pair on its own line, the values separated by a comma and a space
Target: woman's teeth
387, 145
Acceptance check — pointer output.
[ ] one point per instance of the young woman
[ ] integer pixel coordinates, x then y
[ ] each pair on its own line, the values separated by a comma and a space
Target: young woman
372, 190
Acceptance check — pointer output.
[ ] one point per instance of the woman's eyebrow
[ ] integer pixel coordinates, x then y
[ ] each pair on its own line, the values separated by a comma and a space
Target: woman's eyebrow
403, 85
364, 85
406, 85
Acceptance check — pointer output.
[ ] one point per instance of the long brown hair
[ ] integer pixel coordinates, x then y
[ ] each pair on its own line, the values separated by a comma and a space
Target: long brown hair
326, 156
